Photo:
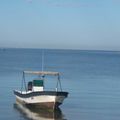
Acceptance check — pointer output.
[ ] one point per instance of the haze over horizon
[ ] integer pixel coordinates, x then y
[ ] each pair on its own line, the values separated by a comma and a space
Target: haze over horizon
60, 24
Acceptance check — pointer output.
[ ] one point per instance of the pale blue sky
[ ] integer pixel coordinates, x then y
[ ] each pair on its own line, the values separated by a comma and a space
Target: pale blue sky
65, 24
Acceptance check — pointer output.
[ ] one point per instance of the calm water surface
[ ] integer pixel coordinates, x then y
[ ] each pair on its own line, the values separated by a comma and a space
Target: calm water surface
91, 77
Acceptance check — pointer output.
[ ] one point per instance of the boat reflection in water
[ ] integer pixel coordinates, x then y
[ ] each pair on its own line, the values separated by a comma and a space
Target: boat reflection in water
38, 114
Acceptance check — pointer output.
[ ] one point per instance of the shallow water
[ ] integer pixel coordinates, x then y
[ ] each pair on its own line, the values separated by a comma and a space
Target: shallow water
92, 79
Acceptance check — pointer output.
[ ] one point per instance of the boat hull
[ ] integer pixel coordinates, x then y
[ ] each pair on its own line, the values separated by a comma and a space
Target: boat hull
42, 99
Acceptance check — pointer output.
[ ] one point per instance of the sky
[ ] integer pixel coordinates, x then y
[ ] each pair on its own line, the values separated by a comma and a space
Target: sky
60, 24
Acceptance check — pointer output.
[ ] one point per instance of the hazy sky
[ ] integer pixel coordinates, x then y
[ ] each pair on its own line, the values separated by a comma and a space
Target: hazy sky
67, 24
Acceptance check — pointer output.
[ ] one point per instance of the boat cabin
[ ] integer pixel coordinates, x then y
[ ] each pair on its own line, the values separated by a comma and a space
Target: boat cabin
36, 85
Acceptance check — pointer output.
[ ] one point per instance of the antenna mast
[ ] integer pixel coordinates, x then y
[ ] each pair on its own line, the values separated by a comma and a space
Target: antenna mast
42, 60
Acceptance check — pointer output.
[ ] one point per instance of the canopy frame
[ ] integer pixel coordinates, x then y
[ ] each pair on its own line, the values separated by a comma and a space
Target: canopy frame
42, 74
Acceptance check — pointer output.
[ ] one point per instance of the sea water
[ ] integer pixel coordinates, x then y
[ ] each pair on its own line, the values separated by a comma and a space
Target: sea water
92, 79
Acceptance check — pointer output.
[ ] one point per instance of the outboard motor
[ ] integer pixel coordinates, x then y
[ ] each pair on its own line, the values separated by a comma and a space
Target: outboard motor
30, 86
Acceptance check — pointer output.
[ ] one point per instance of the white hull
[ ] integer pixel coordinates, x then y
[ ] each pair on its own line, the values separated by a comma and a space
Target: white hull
41, 99
50, 101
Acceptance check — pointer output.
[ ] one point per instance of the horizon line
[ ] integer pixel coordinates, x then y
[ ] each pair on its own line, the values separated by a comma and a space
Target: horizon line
61, 49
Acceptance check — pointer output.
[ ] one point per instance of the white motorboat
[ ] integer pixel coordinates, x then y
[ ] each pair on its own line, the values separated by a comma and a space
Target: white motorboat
35, 95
